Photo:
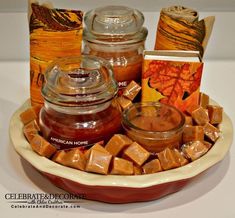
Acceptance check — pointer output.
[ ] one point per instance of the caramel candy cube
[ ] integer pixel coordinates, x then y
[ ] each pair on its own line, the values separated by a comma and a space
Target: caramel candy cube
87, 153
167, 159
136, 153
191, 108
211, 132
193, 133
116, 104
75, 159
132, 90
203, 100
194, 150
96, 146
179, 158
200, 116
58, 157
117, 143
188, 120
215, 114
207, 144
122, 167
37, 109
30, 130
98, 162
124, 102
28, 116
137, 170
152, 166
42, 147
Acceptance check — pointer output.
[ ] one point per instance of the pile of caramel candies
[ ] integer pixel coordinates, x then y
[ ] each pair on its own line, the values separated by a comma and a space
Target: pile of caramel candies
121, 155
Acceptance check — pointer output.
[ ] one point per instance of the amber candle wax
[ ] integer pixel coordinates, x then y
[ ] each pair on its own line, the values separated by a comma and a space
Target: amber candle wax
155, 126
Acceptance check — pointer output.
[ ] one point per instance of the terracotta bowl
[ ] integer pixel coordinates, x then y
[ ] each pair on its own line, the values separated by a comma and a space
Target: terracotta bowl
119, 189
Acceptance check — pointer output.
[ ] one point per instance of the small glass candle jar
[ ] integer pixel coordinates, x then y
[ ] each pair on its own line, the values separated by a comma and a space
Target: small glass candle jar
154, 125
77, 102
116, 33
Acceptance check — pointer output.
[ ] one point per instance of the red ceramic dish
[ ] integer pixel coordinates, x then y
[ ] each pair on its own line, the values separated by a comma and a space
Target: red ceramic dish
119, 189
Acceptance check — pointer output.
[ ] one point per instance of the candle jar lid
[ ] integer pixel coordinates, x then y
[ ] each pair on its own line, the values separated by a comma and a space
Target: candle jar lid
114, 23
79, 82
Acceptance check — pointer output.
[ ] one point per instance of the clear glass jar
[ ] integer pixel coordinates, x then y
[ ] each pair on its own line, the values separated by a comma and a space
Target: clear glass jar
154, 125
77, 102
116, 33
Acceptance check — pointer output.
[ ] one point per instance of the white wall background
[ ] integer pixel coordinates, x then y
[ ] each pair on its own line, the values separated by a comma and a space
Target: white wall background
14, 41
144, 5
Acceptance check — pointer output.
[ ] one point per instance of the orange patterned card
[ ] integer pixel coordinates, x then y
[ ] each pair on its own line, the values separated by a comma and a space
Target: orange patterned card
172, 77
54, 33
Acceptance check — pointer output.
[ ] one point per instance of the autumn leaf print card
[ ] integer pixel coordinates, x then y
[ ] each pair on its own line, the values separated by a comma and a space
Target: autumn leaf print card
172, 77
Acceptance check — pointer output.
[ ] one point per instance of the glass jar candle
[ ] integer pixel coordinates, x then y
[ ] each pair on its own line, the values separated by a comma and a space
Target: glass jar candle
77, 102
154, 125
116, 33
